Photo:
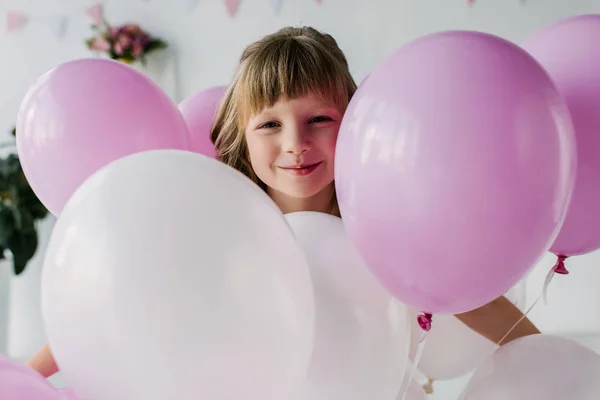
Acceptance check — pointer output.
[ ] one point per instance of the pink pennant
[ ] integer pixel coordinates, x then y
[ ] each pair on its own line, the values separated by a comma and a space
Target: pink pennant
14, 21
320, 1
232, 6
96, 13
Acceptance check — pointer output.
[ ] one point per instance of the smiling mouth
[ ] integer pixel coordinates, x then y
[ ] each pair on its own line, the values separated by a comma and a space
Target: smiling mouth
302, 169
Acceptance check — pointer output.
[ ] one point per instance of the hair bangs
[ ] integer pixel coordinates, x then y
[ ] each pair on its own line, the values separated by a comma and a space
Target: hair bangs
290, 69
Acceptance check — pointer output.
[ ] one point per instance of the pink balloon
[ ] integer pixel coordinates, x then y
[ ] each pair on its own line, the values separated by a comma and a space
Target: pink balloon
199, 112
454, 167
68, 394
82, 115
569, 52
18, 382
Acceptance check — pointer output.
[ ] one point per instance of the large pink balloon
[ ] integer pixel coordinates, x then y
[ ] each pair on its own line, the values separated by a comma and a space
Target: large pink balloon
569, 51
82, 115
199, 112
454, 167
68, 394
18, 382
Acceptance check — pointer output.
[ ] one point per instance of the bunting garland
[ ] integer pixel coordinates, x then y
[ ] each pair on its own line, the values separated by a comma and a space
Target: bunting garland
15, 21
190, 5
276, 6
232, 6
58, 25
96, 13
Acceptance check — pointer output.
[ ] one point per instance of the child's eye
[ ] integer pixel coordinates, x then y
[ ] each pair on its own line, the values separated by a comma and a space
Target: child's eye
320, 118
268, 125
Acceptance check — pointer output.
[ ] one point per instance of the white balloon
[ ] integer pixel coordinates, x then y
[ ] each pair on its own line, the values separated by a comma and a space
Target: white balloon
452, 349
170, 275
362, 332
537, 367
411, 390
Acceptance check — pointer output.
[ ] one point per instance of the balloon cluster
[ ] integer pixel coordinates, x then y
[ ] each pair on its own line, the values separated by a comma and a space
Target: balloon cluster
460, 161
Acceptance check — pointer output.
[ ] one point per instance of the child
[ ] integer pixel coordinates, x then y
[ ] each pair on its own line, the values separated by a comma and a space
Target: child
278, 125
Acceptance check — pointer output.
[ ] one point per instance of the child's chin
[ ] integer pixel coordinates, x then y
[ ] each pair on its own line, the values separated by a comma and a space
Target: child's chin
305, 191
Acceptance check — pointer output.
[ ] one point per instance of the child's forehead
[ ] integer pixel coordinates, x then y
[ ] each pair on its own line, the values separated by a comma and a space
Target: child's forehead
310, 97
310, 100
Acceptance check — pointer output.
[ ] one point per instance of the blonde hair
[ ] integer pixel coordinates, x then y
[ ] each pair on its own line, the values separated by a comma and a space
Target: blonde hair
289, 63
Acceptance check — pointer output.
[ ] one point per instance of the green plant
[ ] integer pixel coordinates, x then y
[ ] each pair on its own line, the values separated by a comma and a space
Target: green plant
19, 210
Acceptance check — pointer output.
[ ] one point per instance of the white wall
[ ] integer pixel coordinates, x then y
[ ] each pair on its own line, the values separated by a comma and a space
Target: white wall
206, 45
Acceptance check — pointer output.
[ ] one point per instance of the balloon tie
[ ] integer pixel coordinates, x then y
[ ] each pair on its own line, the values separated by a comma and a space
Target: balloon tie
424, 321
560, 268
428, 386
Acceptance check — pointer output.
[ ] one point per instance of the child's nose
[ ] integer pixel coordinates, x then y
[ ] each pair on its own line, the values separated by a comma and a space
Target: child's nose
297, 141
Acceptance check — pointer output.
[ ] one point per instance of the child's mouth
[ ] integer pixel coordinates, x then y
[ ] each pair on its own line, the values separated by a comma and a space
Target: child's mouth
303, 169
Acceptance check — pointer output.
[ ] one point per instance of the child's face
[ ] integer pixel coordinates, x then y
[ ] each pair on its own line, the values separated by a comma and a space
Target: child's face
292, 145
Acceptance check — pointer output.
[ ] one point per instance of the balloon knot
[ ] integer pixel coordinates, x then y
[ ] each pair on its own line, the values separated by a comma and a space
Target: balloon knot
559, 267
424, 321
428, 386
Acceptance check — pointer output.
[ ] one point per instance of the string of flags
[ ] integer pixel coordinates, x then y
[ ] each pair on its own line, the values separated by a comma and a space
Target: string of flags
15, 20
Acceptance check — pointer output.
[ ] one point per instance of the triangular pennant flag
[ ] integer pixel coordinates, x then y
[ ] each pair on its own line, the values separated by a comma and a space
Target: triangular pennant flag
319, 1
58, 25
96, 13
276, 5
190, 5
232, 6
15, 21
470, 2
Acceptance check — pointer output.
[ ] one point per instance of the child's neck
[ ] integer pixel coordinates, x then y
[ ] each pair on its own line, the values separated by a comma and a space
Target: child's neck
320, 202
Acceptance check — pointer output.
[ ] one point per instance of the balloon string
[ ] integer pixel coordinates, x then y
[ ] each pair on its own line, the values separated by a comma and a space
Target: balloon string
424, 321
559, 268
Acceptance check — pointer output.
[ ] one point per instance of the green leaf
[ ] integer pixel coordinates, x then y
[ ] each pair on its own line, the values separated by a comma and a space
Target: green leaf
34, 207
23, 245
155, 44
7, 224
10, 166
19, 209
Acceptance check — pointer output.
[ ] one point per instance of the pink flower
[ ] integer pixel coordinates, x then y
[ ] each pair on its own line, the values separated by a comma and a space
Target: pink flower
132, 28
100, 44
114, 32
118, 49
138, 48
124, 40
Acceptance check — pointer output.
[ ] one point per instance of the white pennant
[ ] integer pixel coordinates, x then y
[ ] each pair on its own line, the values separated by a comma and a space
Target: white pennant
58, 25
190, 5
275, 5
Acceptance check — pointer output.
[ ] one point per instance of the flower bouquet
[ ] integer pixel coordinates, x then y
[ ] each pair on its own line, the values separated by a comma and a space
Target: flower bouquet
127, 43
